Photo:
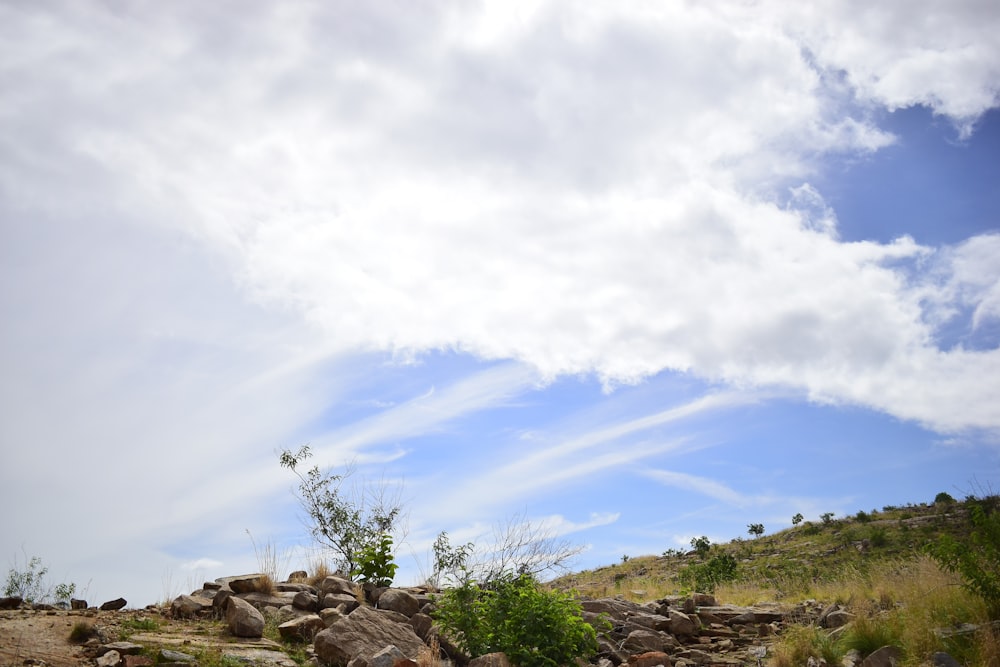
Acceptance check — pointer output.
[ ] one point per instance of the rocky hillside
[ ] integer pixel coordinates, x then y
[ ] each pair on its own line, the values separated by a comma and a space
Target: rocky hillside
790, 562
651, 610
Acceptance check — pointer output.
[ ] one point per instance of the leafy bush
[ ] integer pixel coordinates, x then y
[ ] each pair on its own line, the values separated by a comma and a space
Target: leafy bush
977, 557
943, 499
375, 563
704, 577
30, 585
534, 627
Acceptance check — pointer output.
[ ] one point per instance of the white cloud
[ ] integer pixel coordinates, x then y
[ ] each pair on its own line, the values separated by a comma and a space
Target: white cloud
702, 485
208, 216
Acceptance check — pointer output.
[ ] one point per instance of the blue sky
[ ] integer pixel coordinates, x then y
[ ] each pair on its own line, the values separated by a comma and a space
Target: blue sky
638, 272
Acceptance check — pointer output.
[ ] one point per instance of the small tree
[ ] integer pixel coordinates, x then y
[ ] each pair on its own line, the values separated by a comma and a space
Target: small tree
351, 523
701, 545
755, 529
797, 519
827, 518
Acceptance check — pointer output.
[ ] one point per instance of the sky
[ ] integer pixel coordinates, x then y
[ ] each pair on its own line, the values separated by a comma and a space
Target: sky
637, 271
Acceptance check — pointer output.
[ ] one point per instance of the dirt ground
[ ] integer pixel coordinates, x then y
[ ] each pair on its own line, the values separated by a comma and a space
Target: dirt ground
43, 637
40, 637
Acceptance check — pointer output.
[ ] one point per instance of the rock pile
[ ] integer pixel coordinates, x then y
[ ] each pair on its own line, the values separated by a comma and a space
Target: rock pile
352, 626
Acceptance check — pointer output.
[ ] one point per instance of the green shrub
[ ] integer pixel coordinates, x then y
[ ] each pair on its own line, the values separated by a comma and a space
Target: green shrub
375, 563
30, 585
534, 627
704, 577
866, 634
977, 557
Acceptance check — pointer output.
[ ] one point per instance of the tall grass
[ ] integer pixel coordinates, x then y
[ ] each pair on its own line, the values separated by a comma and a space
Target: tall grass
908, 603
270, 563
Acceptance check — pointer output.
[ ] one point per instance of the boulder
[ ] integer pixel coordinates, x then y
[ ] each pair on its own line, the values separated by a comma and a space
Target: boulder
166, 655
887, 656
334, 600
247, 583
109, 659
387, 657
649, 659
220, 600
334, 584
123, 648
305, 600
189, 606
243, 619
77, 604
114, 605
362, 634
303, 628
682, 625
422, 624
643, 641
942, 659
262, 600
137, 661
12, 602
491, 660
837, 618
400, 601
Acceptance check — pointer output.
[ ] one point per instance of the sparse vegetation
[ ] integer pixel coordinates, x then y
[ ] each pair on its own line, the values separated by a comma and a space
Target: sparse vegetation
81, 632
30, 583
535, 627
347, 521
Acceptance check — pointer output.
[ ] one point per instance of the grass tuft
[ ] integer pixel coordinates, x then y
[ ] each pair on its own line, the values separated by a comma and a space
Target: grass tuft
81, 632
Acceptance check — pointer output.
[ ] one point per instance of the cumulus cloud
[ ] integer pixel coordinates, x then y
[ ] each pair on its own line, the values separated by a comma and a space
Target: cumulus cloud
585, 190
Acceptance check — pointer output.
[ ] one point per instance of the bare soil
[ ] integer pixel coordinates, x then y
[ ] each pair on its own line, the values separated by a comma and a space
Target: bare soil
29, 637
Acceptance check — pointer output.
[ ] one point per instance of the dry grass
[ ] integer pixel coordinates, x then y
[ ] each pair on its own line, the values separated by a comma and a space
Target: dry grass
270, 562
430, 655
907, 603
320, 571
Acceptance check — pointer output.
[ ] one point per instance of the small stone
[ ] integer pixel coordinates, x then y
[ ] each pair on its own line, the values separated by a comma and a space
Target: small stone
109, 659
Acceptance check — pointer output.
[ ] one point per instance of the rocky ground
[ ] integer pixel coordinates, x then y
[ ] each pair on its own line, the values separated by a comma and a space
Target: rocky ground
335, 622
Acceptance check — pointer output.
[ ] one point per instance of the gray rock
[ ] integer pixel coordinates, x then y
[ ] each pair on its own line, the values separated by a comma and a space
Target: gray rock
491, 660
387, 657
837, 618
334, 584
167, 655
422, 624
887, 656
123, 648
246, 583
109, 659
650, 659
362, 634
942, 659
333, 600
682, 625
305, 600
243, 619
188, 606
400, 601
643, 641
303, 628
